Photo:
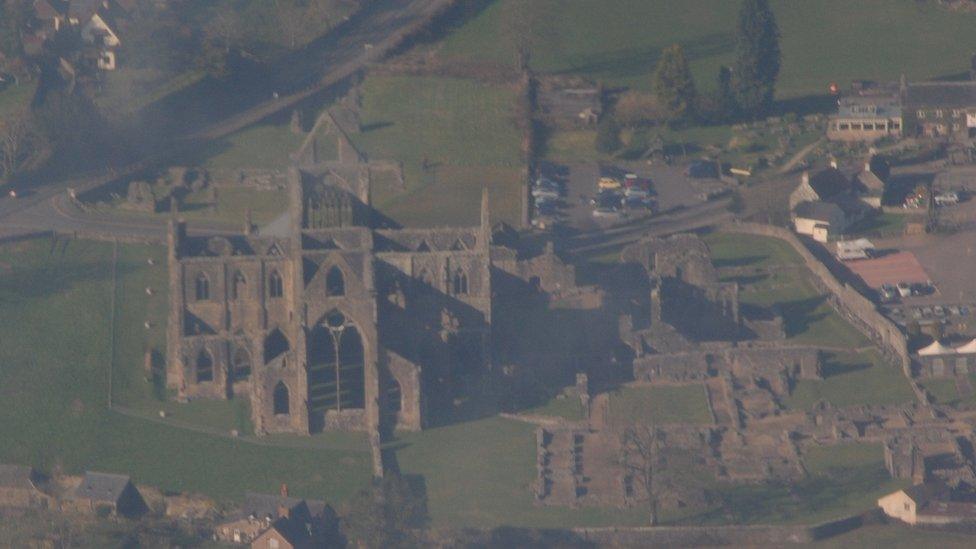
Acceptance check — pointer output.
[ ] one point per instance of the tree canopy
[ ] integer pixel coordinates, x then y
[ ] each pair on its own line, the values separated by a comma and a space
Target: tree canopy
674, 86
758, 58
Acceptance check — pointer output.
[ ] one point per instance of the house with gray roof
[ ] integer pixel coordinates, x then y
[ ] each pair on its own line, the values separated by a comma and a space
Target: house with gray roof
20, 487
107, 492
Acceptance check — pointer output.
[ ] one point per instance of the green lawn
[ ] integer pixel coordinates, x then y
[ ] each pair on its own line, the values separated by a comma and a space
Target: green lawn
743, 250
564, 406
897, 536
882, 225
769, 272
263, 146
660, 404
618, 41
852, 379
463, 128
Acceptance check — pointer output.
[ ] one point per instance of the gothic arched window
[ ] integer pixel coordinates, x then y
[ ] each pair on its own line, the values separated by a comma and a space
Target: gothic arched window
202, 287
460, 282
280, 398
335, 284
204, 366
238, 289
276, 286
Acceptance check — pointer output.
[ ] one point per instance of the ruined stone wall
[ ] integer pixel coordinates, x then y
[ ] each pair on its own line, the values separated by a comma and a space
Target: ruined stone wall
848, 301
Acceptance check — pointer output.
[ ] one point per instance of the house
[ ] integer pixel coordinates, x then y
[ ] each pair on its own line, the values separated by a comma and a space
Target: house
50, 14
927, 504
286, 533
872, 181
106, 491
940, 109
261, 513
20, 488
100, 26
866, 117
826, 203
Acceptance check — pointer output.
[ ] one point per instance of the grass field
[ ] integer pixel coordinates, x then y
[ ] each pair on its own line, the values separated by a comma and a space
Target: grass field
776, 277
660, 404
619, 41
566, 406
54, 377
264, 146
896, 536
852, 379
465, 131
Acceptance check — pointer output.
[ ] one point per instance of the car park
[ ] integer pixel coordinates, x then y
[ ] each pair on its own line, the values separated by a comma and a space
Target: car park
938, 311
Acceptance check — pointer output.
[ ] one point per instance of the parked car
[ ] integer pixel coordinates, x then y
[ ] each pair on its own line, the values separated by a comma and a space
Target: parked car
947, 198
964, 311
938, 310
954, 310
544, 193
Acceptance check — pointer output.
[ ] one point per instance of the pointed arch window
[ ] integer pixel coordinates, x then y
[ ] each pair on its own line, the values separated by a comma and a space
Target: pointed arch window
276, 286
275, 345
202, 287
204, 367
238, 289
280, 399
460, 282
335, 283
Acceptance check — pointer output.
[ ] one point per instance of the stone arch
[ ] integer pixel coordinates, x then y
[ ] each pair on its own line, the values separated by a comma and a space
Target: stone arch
280, 403
238, 288
204, 366
460, 282
276, 286
241, 364
202, 287
335, 282
275, 345
337, 364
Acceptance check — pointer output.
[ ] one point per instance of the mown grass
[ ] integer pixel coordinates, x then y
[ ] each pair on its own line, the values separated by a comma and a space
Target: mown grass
660, 405
619, 41
771, 274
852, 379
54, 378
465, 132
564, 406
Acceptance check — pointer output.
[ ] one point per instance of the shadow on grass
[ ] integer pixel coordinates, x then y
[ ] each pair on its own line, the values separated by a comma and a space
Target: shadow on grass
833, 368
799, 314
743, 261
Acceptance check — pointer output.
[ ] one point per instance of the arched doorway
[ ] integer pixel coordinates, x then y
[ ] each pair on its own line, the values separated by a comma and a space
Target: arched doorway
280, 397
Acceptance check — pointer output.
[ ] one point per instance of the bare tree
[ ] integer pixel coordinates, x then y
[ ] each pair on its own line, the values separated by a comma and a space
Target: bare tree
19, 145
643, 462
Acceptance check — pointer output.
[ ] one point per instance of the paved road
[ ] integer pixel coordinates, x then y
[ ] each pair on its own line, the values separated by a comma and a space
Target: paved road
315, 69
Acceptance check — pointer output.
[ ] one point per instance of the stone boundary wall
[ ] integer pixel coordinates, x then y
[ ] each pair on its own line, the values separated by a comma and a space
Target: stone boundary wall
853, 306
661, 536
849, 302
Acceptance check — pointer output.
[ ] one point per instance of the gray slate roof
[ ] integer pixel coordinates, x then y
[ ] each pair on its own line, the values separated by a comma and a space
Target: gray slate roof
818, 211
105, 487
947, 95
16, 476
265, 505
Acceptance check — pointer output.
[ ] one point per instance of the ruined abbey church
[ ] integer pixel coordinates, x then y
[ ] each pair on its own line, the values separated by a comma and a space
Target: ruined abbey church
333, 323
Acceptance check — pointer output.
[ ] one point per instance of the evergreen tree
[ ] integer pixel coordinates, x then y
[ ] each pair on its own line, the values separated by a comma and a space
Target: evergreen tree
726, 105
15, 16
757, 58
674, 86
607, 134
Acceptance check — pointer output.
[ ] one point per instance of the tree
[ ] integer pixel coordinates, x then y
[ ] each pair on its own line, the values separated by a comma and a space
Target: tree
15, 18
727, 107
19, 145
758, 55
674, 85
643, 462
387, 514
607, 134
